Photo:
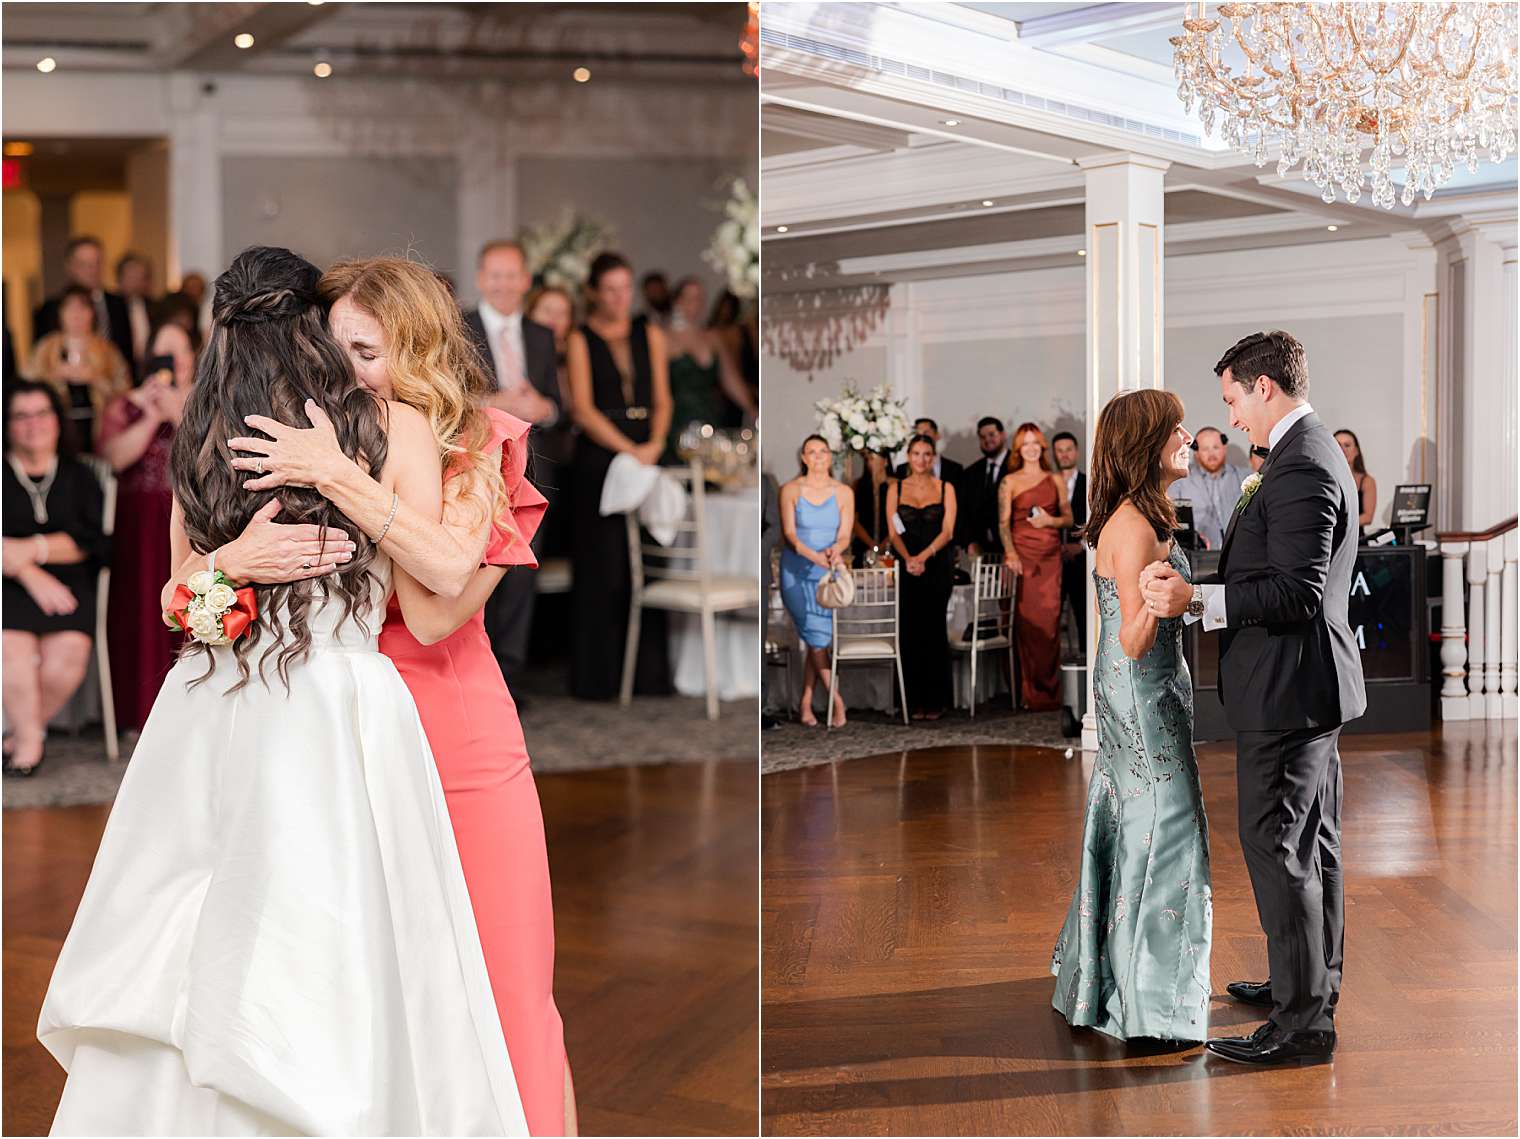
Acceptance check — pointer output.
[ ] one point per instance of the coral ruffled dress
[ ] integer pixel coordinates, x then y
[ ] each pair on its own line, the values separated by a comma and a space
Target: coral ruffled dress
477, 741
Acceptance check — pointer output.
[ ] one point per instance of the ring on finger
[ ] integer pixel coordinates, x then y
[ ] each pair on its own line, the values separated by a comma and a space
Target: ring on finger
258, 467
306, 565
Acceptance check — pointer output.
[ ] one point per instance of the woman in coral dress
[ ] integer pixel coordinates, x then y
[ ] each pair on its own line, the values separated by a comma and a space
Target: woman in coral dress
405, 339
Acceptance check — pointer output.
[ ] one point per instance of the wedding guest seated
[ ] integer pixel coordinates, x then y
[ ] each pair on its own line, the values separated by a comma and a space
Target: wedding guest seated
85, 369
54, 547
944, 468
817, 514
702, 371
977, 518
1212, 486
1032, 509
922, 509
870, 531
136, 437
1366, 485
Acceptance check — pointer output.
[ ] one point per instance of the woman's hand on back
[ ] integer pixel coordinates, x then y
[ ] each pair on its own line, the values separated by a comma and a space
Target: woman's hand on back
271, 553
294, 456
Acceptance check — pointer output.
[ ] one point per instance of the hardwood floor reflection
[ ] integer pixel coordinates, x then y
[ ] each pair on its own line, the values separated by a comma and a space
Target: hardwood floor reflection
654, 896
910, 903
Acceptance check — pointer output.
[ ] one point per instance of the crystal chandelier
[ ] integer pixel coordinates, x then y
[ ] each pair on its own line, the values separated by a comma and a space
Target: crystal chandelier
811, 328
1424, 84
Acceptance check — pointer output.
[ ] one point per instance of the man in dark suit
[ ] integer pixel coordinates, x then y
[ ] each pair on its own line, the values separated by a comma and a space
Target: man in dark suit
976, 495
1290, 675
83, 265
519, 355
1067, 454
944, 468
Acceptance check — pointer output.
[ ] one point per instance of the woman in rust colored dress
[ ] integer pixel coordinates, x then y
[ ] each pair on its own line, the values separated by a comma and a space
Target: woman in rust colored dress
1032, 508
136, 435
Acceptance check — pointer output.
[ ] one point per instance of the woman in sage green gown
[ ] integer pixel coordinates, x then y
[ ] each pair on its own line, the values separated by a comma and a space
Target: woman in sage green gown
705, 382
1132, 959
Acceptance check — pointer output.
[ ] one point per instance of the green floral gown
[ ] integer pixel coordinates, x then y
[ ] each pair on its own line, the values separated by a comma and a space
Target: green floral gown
1133, 957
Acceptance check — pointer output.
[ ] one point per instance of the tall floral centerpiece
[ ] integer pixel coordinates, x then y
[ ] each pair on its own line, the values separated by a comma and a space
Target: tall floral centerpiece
735, 247
856, 423
559, 253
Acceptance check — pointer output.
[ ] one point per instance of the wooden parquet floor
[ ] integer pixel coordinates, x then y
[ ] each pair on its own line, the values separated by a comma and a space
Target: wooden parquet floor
910, 903
654, 873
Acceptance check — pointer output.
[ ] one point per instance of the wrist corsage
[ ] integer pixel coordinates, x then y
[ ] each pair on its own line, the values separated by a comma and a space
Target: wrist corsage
210, 610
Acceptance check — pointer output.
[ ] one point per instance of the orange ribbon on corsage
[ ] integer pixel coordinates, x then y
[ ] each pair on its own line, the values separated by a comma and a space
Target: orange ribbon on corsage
217, 615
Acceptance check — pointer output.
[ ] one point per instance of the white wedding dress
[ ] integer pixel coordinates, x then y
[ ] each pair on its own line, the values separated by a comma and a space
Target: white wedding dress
276, 938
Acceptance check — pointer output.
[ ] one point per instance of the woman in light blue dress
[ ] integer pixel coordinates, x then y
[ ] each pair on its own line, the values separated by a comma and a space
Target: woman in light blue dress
1132, 959
817, 514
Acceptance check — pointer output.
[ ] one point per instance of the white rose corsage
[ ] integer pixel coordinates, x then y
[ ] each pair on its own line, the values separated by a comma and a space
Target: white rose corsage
209, 609
1248, 487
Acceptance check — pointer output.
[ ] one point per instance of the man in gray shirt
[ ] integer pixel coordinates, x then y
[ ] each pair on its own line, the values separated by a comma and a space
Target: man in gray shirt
1212, 486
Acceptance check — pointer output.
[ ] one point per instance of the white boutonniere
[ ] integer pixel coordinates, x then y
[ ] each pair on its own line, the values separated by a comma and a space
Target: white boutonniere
1248, 487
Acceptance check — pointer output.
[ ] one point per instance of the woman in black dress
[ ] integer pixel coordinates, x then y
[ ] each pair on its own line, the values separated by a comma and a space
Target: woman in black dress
925, 507
870, 529
620, 399
54, 547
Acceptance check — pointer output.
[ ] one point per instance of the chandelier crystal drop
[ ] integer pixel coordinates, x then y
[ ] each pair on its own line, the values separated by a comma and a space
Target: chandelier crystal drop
1422, 85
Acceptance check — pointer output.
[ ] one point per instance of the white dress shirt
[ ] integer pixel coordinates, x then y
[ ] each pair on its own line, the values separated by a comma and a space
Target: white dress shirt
495, 325
1214, 609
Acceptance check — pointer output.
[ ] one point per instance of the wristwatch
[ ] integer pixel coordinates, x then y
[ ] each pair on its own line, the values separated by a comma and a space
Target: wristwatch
1195, 606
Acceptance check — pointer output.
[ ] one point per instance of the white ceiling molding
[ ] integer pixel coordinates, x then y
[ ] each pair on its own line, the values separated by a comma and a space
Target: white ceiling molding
1095, 21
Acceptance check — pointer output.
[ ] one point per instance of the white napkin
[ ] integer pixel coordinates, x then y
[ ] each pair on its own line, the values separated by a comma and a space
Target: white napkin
659, 499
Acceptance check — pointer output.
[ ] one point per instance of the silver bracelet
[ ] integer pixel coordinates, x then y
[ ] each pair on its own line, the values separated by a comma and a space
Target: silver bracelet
395, 502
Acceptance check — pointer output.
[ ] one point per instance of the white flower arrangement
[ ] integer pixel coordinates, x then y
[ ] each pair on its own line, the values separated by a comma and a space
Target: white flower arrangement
559, 254
735, 247
871, 422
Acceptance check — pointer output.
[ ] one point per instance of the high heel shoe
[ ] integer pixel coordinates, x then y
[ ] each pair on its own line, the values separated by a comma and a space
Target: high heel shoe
25, 772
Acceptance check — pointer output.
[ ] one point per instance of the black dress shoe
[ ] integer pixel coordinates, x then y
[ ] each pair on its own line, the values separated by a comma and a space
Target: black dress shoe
1273, 1045
769, 723
1251, 992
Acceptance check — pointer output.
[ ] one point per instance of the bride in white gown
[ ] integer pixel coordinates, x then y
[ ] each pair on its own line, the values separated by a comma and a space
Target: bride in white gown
276, 938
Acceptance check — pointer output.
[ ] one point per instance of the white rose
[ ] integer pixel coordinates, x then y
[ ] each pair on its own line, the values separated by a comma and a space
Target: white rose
206, 625
201, 581
219, 597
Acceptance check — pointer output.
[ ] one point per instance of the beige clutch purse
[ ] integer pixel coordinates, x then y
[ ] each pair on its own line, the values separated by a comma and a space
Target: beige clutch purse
837, 590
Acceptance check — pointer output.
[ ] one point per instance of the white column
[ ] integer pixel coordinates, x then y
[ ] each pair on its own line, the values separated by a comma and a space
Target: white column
1125, 242
1477, 627
195, 182
1493, 635
1454, 704
1479, 385
905, 352
1509, 633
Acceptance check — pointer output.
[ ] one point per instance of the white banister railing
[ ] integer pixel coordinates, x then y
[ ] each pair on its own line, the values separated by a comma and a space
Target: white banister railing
1479, 636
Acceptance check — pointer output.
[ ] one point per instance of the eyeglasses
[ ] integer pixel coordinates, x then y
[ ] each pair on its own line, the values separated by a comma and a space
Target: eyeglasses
28, 416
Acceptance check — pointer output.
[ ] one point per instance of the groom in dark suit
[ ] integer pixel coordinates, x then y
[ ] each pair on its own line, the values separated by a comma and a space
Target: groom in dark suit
1290, 675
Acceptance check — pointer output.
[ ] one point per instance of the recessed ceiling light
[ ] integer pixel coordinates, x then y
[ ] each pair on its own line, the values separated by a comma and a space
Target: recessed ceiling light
951, 122
1081, 253
17, 149
987, 201
322, 70
46, 64
782, 228
1332, 228
581, 74
243, 40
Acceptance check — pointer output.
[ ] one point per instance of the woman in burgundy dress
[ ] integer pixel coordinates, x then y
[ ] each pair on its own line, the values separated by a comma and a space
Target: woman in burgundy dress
1032, 508
136, 436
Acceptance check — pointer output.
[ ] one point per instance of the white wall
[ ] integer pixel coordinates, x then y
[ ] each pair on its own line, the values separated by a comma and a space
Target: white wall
1012, 345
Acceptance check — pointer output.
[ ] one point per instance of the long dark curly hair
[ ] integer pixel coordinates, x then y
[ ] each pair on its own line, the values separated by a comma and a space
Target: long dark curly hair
270, 351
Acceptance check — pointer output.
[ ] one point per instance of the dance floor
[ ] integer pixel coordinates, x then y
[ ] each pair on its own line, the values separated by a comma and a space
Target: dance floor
654, 891
911, 902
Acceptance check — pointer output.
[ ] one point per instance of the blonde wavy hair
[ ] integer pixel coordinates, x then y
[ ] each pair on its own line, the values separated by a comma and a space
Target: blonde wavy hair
434, 367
